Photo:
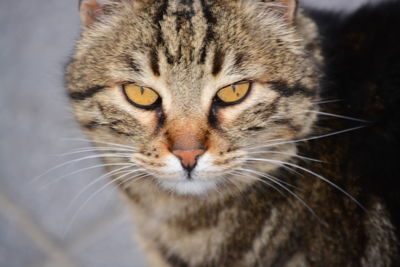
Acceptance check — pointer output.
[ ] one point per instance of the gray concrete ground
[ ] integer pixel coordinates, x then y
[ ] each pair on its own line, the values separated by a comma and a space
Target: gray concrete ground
38, 226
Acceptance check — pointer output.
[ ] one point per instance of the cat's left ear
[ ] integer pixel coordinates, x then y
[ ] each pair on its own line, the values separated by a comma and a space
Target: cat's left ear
289, 8
90, 11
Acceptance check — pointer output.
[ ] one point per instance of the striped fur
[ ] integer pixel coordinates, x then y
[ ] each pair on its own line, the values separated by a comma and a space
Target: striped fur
186, 50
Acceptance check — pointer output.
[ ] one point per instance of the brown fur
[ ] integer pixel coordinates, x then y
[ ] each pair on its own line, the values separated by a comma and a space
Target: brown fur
186, 50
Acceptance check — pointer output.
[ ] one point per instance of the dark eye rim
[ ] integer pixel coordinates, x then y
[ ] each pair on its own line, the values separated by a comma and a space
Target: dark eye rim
154, 106
220, 103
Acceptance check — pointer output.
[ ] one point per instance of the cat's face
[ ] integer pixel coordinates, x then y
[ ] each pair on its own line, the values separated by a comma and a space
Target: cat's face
196, 88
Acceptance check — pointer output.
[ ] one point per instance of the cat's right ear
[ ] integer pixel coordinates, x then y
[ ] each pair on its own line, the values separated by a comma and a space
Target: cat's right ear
289, 8
90, 11
286, 7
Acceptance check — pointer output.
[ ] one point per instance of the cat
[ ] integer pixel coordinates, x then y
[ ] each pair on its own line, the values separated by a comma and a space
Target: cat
210, 114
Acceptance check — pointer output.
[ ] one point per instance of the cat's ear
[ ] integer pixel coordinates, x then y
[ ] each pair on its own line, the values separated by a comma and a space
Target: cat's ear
90, 11
288, 8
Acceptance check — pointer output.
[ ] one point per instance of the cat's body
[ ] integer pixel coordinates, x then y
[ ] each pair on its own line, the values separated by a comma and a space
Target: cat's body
209, 194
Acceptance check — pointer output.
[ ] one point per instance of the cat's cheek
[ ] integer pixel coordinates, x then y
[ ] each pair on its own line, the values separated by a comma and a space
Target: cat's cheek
259, 94
115, 98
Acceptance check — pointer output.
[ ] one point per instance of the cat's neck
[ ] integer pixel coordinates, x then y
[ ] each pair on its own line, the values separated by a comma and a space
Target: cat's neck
148, 197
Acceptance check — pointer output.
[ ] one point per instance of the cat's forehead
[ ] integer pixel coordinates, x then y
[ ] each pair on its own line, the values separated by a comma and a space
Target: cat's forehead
186, 31
184, 43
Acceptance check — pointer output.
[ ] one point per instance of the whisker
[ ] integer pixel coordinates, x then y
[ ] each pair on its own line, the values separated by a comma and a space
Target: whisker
337, 116
97, 142
238, 173
327, 101
86, 169
114, 155
88, 199
96, 149
312, 173
283, 153
233, 182
309, 138
268, 176
287, 190
127, 183
104, 176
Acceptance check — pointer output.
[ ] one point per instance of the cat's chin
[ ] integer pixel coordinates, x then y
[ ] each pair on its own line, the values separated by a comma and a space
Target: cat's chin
190, 187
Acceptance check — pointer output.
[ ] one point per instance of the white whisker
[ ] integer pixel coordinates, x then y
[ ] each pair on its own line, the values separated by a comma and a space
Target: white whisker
337, 116
312, 173
90, 198
86, 169
309, 138
239, 173
283, 153
327, 101
268, 176
226, 178
271, 178
98, 142
104, 176
128, 182
94, 149
114, 155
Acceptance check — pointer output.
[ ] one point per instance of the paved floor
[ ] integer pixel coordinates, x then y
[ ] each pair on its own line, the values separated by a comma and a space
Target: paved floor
38, 225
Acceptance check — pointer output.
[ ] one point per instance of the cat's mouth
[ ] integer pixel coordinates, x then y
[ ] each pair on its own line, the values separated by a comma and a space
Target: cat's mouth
203, 178
211, 173
189, 186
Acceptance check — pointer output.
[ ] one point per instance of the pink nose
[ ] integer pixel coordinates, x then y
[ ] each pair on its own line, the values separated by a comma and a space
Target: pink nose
188, 157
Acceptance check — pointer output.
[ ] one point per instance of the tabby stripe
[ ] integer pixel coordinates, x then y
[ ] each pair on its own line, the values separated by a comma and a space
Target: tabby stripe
155, 67
86, 94
285, 90
255, 129
161, 121
160, 39
211, 21
161, 12
133, 64
239, 243
240, 59
218, 61
285, 251
90, 125
288, 122
172, 259
112, 126
188, 3
263, 108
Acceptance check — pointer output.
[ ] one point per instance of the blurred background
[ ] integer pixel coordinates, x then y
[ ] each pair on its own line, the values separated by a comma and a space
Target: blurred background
48, 221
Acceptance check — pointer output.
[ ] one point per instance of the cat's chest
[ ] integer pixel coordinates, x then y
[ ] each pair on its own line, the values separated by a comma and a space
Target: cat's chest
225, 231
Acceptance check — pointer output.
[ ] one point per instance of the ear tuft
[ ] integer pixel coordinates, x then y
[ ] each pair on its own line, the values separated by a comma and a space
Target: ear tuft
289, 8
90, 11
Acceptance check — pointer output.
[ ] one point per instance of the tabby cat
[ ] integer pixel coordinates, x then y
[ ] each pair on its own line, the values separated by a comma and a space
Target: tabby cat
208, 113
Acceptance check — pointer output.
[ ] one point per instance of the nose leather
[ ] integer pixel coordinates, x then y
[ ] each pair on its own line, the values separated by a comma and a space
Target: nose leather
188, 157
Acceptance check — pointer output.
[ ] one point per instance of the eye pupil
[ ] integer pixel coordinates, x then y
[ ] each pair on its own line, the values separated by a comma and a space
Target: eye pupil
234, 88
141, 96
232, 94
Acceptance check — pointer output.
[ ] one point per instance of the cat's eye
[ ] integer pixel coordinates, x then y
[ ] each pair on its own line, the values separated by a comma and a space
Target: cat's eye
233, 94
142, 97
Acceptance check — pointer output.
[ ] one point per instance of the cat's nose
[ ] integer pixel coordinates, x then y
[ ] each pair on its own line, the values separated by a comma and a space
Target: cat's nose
188, 157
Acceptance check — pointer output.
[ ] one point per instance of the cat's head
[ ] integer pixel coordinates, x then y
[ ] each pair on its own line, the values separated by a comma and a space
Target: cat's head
203, 91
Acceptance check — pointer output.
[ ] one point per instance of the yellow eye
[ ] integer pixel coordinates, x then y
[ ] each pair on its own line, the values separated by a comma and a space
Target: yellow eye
233, 93
140, 96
